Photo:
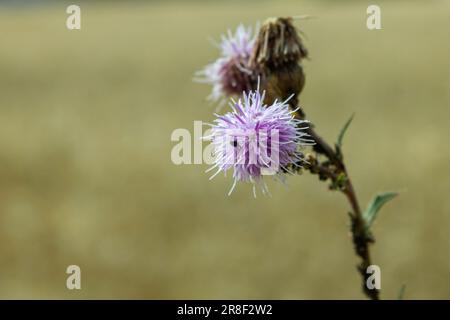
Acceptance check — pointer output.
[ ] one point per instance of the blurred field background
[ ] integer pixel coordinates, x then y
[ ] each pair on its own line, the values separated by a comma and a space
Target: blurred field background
86, 176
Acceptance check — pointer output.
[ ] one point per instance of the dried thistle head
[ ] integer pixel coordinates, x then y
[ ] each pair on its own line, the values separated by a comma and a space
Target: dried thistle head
278, 43
277, 53
271, 57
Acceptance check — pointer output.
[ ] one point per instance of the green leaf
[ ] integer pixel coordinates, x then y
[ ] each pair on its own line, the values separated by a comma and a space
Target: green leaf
375, 205
342, 132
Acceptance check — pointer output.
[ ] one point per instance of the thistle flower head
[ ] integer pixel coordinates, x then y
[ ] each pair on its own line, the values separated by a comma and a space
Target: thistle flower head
230, 74
277, 53
256, 140
278, 44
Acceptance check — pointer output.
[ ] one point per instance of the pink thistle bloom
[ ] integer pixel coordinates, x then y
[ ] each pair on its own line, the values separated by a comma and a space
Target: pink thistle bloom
230, 74
254, 140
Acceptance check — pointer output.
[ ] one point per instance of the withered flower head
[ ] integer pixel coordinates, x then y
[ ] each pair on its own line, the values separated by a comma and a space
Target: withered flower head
277, 53
278, 43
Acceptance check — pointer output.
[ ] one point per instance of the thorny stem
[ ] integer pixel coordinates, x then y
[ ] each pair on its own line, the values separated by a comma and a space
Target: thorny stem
277, 53
334, 169
361, 239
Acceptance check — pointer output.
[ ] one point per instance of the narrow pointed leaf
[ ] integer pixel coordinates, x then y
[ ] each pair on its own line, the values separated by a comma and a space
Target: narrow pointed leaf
342, 132
375, 205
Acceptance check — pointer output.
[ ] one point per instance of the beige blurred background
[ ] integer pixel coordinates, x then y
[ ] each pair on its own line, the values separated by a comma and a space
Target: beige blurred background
86, 176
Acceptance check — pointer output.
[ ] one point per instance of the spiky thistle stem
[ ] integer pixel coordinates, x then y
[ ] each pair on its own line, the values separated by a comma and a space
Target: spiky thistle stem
277, 53
335, 171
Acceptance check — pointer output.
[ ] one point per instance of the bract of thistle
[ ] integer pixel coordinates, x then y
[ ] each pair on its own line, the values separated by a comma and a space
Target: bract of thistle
230, 74
254, 140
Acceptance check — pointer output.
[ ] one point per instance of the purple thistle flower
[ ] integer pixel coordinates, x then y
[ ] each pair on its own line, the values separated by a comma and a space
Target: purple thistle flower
230, 74
256, 140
